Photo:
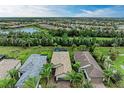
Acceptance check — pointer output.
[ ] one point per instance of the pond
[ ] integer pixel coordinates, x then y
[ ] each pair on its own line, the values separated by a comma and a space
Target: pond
24, 29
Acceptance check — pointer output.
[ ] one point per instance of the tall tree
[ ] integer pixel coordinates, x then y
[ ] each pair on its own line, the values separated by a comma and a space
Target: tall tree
14, 74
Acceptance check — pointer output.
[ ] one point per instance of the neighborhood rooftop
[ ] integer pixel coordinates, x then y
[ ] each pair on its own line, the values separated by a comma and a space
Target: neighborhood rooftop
91, 68
31, 68
6, 65
86, 59
62, 59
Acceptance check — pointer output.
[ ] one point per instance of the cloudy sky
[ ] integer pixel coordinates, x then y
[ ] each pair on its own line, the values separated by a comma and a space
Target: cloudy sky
61, 11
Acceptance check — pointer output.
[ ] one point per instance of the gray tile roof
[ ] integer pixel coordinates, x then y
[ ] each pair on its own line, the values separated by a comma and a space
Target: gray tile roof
31, 68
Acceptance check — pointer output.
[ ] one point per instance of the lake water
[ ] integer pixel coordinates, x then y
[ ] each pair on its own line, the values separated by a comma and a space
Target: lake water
24, 29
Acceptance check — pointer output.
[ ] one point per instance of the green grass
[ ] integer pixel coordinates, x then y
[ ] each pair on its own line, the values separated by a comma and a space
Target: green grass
97, 38
23, 53
120, 59
117, 63
103, 38
105, 50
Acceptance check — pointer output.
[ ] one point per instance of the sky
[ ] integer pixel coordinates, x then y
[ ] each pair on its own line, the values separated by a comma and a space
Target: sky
61, 11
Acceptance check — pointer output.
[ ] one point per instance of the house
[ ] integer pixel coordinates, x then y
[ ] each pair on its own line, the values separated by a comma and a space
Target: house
31, 69
62, 64
7, 65
92, 70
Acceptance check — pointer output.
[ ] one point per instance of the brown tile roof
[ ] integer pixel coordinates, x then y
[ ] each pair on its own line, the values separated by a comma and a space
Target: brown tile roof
86, 58
62, 58
6, 65
79, 56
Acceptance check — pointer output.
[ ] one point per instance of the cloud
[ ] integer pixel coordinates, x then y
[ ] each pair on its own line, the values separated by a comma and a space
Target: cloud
31, 11
115, 11
60, 11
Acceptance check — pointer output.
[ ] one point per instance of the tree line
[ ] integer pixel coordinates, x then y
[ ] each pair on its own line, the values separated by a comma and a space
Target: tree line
59, 37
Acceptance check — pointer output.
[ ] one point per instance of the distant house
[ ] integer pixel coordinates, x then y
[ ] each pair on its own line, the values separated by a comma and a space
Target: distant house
31, 68
7, 65
62, 64
92, 70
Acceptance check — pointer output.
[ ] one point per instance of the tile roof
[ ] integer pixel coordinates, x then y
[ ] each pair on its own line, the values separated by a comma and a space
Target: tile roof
86, 58
6, 65
62, 58
31, 68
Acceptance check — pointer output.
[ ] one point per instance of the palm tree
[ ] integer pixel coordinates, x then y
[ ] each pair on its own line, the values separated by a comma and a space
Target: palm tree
29, 41
14, 74
55, 44
73, 47
87, 84
113, 53
107, 62
3, 83
46, 73
75, 78
76, 66
7, 83
30, 83
82, 47
108, 72
12, 40
22, 43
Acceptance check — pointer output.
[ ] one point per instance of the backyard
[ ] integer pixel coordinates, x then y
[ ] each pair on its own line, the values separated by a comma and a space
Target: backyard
119, 62
23, 53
